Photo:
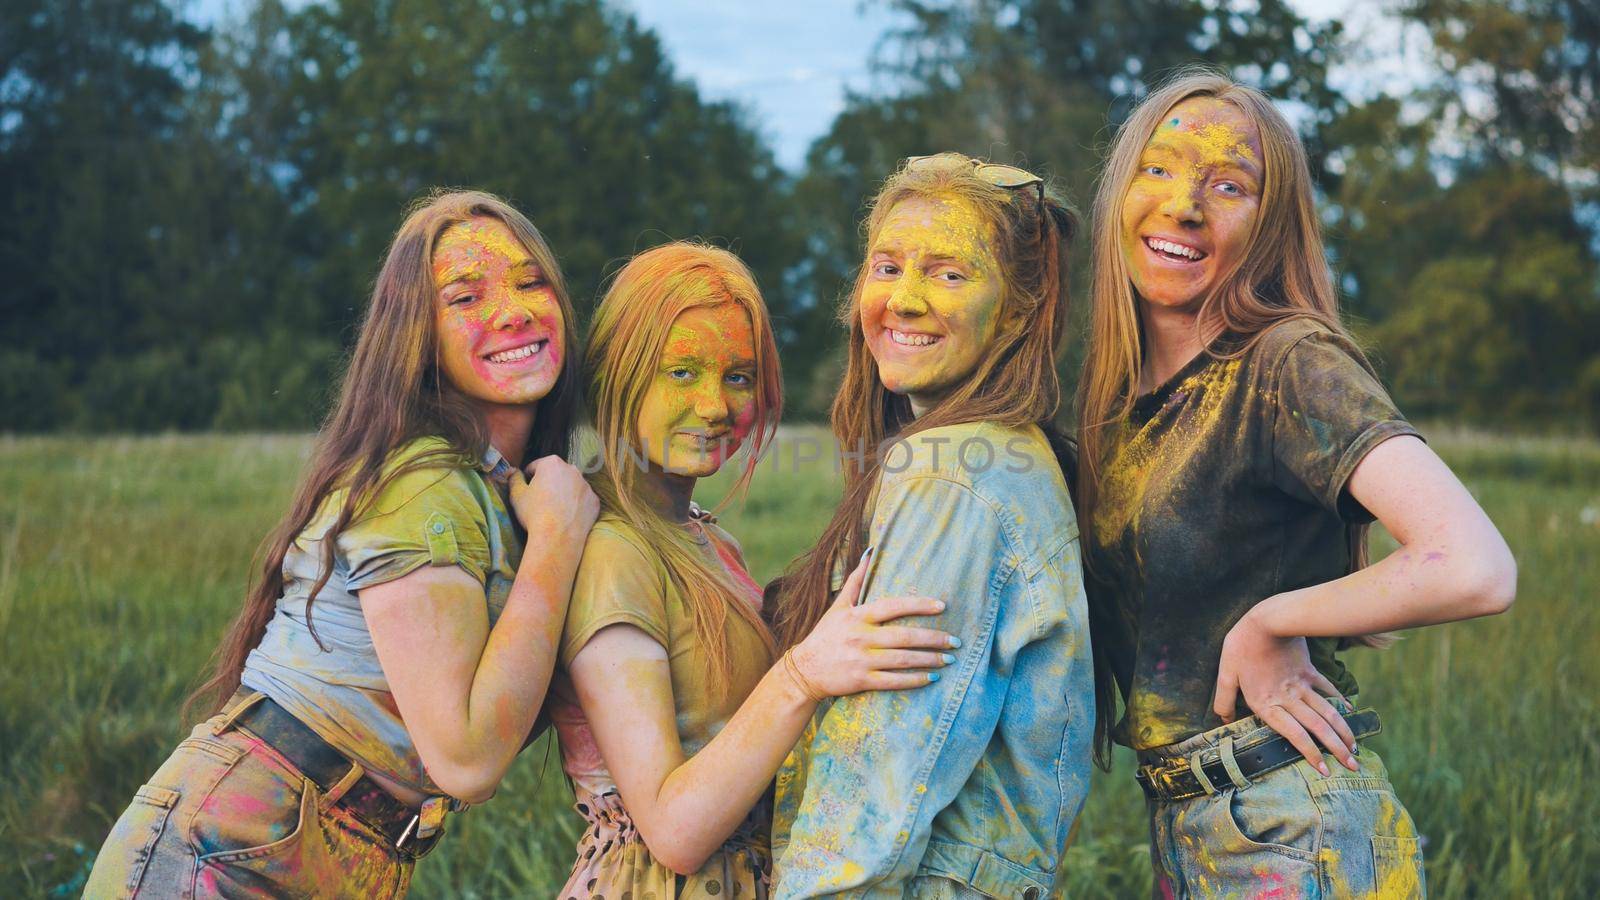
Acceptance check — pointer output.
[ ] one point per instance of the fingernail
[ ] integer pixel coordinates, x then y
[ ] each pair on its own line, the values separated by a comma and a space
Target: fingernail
1323, 768
954, 642
866, 553
933, 676
939, 605
948, 659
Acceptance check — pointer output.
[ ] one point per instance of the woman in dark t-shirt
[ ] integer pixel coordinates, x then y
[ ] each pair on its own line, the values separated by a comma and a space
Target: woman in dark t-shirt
1237, 445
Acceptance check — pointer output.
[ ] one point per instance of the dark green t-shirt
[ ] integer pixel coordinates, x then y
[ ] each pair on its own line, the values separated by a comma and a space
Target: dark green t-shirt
1225, 486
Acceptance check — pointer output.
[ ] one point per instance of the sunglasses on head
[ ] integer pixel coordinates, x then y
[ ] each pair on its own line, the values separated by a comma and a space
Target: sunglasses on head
1002, 176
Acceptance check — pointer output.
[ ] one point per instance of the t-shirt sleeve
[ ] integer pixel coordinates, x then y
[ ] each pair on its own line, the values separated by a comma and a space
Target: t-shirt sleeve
618, 583
424, 517
1331, 410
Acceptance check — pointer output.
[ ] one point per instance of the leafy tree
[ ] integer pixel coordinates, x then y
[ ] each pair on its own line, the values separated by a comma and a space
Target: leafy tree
567, 108
1458, 216
219, 202
91, 117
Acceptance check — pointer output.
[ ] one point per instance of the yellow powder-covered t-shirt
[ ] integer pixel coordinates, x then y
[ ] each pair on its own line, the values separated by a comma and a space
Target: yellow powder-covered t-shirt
621, 581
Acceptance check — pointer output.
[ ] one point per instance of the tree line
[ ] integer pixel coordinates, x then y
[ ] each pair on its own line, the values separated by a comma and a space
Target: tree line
194, 213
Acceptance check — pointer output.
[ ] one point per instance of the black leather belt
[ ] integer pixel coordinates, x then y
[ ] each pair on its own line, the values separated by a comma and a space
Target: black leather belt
1177, 780
402, 824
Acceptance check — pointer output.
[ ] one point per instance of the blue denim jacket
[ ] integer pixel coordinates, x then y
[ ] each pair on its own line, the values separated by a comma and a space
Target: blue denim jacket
977, 778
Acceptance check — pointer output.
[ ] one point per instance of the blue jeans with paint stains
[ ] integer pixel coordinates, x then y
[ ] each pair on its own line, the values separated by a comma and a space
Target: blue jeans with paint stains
1290, 833
227, 816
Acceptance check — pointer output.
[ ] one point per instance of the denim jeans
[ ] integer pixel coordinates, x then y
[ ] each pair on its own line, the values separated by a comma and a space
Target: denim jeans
227, 816
1289, 833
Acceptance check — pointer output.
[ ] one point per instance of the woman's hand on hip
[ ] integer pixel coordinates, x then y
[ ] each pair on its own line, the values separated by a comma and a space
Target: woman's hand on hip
853, 649
1283, 688
554, 500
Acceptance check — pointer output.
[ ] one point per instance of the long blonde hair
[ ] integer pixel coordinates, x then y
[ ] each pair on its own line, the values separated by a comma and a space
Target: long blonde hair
393, 392
626, 340
1282, 274
1014, 385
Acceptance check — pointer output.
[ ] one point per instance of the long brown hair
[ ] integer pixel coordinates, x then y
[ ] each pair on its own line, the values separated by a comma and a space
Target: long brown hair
394, 392
1282, 274
626, 340
1014, 385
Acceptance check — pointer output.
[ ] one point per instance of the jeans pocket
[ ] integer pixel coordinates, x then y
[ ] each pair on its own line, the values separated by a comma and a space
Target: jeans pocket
1223, 845
1276, 813
1397, 867
120, 867
256, 809
271, 868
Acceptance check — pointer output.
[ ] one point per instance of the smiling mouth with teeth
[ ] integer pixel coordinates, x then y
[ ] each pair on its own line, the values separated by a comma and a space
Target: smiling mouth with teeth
518, 354
1173, 250
907, 339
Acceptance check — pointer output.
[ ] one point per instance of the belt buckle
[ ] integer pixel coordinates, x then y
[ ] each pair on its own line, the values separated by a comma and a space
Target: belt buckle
1145, 776
422, 833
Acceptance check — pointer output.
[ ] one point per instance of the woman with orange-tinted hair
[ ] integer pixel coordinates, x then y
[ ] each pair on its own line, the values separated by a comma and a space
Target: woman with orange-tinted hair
675, 710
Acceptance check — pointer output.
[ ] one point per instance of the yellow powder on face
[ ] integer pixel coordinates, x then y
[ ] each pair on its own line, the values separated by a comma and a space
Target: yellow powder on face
1220, 143
1200, 152
938, 275
720, 333
466, 248
930, 227
1211, 127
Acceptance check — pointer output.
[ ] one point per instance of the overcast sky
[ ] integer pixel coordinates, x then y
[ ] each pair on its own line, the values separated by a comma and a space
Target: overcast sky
790, 63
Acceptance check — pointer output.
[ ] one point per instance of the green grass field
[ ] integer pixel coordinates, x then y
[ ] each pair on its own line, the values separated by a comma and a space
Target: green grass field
121, 560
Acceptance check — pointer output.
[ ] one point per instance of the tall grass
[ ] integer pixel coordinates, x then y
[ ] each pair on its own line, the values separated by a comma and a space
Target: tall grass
122, 559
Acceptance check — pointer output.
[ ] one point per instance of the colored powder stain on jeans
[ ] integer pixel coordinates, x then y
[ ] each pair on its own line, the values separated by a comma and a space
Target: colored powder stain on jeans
240, 821
1271, 886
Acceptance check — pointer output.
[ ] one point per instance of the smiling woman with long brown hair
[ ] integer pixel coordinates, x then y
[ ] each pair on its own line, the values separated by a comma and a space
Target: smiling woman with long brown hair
1235, 446
394, 651
969, 787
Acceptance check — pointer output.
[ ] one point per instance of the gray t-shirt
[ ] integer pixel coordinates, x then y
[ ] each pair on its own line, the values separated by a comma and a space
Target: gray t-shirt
1226, 486
440, 515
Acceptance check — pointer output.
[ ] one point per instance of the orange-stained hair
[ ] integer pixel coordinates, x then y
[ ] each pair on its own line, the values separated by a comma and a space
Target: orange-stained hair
626, 342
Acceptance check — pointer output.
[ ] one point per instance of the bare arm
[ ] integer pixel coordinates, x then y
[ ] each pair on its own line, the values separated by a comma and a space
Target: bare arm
469, 694
1452, 564
686, 808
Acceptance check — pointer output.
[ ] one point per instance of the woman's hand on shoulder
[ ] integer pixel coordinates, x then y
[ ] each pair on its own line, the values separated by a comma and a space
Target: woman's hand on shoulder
1283, 688
854, 649
554, 499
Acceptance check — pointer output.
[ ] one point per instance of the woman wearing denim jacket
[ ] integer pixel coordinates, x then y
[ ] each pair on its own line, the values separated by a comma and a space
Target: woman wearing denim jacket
1235, 447
968, 787
391, 659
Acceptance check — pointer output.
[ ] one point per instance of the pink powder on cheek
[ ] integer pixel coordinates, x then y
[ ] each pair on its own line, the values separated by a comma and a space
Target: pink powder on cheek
744, 420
